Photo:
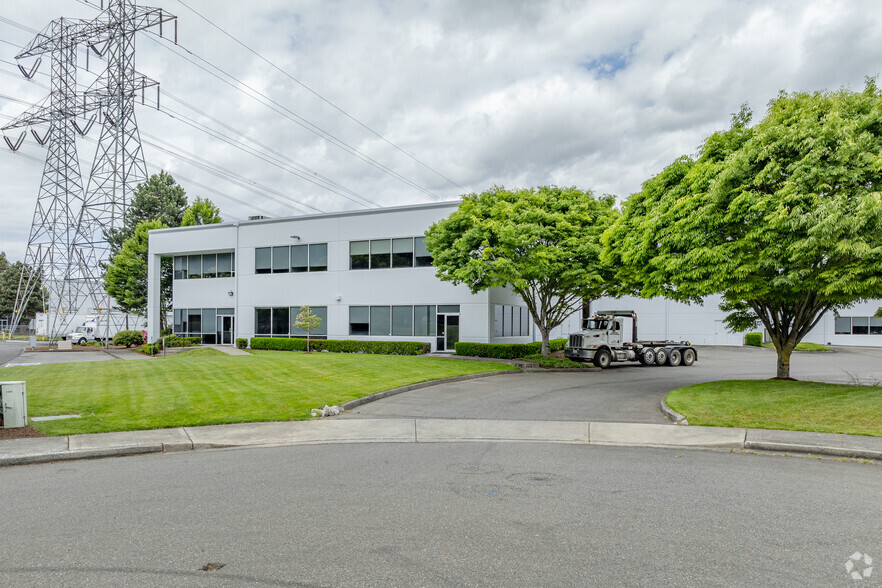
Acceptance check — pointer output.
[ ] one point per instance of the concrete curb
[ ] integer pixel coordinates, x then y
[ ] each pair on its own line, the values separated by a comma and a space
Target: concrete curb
349, 431
672, 414
420, 385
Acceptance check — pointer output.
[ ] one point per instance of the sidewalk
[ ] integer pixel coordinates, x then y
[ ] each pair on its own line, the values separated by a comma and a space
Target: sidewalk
334, 430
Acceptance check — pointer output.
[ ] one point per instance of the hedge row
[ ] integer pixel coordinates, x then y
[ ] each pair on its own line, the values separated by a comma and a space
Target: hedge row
754, 339
335, 346
507, 350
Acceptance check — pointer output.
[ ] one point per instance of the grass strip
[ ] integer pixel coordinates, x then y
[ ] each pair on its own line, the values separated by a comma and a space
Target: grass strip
205, 386
802, 346
789, 406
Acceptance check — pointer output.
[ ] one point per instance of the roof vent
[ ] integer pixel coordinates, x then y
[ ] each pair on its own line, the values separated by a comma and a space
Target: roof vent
257, 217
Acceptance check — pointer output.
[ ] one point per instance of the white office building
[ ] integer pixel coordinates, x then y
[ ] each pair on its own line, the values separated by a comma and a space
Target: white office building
368, 275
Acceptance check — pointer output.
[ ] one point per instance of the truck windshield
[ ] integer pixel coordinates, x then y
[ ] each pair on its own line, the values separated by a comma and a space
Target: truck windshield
596, 325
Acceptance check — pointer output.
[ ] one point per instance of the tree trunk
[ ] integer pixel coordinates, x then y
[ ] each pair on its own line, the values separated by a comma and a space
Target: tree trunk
545, 333
785, 350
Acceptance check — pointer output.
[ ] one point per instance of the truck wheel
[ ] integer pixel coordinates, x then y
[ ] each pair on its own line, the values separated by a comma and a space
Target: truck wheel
675, 358
82, 341
602, 359
648, 356
688, 357
661, 356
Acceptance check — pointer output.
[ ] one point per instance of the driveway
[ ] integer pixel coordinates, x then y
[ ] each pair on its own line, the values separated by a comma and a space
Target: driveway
624, 393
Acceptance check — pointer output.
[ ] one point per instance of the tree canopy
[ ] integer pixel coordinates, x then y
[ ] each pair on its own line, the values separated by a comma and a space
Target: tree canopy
201, 212
10, 274
784, 218
542, 242
126, 276
160, 197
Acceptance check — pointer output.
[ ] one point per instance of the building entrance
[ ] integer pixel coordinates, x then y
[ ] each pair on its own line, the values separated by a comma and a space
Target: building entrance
448, 331
225, 324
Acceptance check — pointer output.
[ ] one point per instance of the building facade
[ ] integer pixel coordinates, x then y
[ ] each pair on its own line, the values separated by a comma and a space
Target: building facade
368, 275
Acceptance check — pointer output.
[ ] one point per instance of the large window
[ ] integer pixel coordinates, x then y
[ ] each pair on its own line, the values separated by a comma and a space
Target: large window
280, 320
180, 267
207, 265
424, 321
402, 320
318, 257
280, 260
299, 258
381, 254
510, 321
421, 254
359, 320
263, 321
194, 266
858, 325
402, 252
263, 260
225, 265
201, 322
380, 320
359, 255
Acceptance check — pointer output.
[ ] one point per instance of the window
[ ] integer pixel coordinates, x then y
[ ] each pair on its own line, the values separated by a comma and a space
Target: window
510, 321
402, 320
359, 255
843, 325
525, 321
263, 260
421, 254
318, 257
225, 265
319, 311
299, 258
209, 323
280, 260
262, 321
194, 266
179, 327
424, 321
381, 251
180, 267
280, 320
860, 325
209, 265
402, 252
497, 320
359, 320
380, 323
194, 320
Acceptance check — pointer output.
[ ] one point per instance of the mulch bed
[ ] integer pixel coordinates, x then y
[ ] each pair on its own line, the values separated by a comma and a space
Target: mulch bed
20, 433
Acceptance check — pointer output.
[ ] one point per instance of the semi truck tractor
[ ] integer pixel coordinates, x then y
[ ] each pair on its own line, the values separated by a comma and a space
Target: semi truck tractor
601, 342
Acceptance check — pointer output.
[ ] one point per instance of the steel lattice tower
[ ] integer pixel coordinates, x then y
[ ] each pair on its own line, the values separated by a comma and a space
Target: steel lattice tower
68, 243
53, 230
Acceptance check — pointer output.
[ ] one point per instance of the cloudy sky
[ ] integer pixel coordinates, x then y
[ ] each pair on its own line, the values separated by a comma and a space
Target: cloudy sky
402, 102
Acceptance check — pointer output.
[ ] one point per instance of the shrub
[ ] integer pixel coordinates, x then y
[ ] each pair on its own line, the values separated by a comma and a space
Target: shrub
556, 362
128, 338
342, 346
150, 349
557, 344
754, 339
498, 350
241, 343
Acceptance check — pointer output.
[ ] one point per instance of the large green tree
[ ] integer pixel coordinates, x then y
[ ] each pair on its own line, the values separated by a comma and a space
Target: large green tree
10, 274
784, 218
160, 197
126, 276
202, 212
542, 242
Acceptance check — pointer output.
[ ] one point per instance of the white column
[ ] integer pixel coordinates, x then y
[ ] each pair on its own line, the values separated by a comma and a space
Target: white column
154, 276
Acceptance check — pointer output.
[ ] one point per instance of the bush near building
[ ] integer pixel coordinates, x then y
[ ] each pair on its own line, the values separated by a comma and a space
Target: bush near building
753, 339
342, 346
507, 350
128, 338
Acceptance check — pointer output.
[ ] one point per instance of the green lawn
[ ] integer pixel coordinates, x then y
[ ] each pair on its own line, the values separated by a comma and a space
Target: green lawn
205, 386
776, 404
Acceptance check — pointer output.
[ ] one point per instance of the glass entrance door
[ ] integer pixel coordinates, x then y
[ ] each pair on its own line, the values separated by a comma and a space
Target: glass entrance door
447, 332
225, 329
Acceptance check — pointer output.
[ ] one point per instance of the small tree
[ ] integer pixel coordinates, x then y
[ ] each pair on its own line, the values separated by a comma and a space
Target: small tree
307, 321
202, 212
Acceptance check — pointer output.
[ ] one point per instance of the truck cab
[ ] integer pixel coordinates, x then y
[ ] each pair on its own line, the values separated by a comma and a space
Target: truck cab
81, 335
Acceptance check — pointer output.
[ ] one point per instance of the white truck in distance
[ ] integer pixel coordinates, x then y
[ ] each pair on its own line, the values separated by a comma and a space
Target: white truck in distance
601, 342
92, 329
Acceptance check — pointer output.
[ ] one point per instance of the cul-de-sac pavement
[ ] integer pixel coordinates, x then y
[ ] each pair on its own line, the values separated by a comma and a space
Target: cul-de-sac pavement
464, 512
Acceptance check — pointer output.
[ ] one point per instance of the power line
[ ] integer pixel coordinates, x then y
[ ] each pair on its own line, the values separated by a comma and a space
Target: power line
320, 97
289, 114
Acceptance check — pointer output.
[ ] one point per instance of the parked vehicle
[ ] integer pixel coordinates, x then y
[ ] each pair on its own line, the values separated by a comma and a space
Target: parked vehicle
94, 328
601, 342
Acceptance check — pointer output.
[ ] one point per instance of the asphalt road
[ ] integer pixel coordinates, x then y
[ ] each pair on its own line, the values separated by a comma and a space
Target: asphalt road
9, 350
512, 514
626, 392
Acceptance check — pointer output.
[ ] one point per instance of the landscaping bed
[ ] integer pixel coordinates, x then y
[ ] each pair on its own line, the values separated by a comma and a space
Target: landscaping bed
783, 405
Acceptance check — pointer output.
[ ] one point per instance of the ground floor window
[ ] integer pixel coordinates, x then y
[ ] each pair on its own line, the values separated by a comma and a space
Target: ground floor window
279, 321
510, 321
212, 325
858, 325
400, 321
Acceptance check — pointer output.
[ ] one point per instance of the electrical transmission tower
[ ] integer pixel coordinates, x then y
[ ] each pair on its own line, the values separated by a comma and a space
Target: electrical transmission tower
68, 245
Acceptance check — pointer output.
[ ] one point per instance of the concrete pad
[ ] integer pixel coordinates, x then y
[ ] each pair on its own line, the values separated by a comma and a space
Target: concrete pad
441, 430
303, 432
665, 435
33, 446
228, 349
125, 354
808, 442
169, 439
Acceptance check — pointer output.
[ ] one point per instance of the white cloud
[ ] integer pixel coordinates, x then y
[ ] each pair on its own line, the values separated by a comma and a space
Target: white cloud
600, 95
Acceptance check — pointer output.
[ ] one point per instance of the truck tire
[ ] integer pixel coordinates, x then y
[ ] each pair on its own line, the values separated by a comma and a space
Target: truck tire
82, 341
648, 356
661, 356
688, 357
602, 359
675, 358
